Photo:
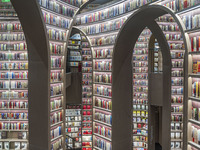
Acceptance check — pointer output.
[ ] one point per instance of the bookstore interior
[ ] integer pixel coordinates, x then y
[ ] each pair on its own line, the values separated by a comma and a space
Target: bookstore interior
99, 74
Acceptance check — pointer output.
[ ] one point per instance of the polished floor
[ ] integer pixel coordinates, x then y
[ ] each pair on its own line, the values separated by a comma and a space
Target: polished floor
158, 147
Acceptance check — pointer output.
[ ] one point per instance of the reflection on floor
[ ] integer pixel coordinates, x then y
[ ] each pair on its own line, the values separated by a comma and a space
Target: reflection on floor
158, 147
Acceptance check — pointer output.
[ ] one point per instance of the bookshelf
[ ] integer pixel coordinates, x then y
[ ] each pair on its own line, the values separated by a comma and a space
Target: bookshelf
58, 16
87, 93
189, 18
14, 81
140, 91
73, 126
102, 41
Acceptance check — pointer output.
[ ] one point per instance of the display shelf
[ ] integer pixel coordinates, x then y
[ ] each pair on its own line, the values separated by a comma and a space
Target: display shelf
56, 138
13, 140
55, 124
53, 12
120, 15
103, 123
189, 31
177, 140
106, 45
102, 96
180, 12
102, 109
11, 48
108, 139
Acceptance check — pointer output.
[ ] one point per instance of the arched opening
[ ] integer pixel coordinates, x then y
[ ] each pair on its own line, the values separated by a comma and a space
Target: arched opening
122, 77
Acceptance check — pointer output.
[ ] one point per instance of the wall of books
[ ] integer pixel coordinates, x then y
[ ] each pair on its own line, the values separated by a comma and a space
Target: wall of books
13, 80
102, 26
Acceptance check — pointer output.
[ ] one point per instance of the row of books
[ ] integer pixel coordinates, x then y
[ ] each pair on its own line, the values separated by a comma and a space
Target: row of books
103, 78
8, 14
56, 89
103, 131
13, 94
177, 90
178, 5
10, 27
13, 46
86, 57
140, 70
177, 118
173, 37
140, 82
140, 95
191, 20
86, 52
56, 62
56, 132
12, 37
177, 73
140, 101
103, 90
169, 27
56, 76
103, 65
13, 115
56, 48
195, 89
16, 65
103, 103
140, 107
54, 34
86, 76
14, 75
86, 88
56, 104
56, 117
177, 109
87, 64
177, 81
14, 56
103, 40
176, 145
57, 7
77, 3
177, 55
113, 11
57, 144
195, 43
104, 27
17, 145
13, 126
140, 89
177, 64
87, 70
103, 117
13, 104
56, 20
140, 113
176, 99
102, 144
140, 64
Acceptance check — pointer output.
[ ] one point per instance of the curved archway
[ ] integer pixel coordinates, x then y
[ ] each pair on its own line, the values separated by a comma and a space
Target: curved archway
122, 73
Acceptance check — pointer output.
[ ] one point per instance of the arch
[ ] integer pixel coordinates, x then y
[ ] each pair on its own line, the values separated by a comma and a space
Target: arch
39, 72
122, 87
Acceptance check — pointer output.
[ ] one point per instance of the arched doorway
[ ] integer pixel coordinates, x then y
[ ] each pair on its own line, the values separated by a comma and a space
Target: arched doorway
122, 76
